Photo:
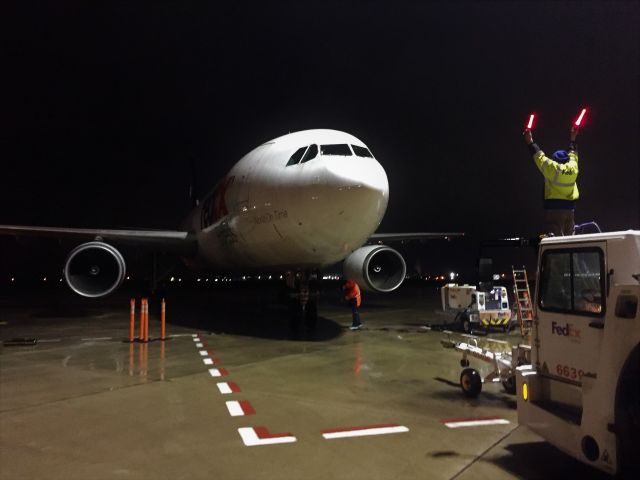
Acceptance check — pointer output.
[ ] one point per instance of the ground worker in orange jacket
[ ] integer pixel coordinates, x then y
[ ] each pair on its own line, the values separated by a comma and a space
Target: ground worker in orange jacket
352, 296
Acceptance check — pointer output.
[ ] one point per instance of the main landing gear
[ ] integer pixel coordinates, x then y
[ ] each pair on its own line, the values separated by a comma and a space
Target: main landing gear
302, 300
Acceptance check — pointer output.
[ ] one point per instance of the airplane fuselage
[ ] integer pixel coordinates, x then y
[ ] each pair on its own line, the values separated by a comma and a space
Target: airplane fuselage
306, 199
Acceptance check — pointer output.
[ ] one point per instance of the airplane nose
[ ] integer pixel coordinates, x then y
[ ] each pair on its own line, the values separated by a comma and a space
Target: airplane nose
358, 190
361, 173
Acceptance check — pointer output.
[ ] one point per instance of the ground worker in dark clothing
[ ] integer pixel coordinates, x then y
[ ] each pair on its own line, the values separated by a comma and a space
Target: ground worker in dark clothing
352, 296
560, 189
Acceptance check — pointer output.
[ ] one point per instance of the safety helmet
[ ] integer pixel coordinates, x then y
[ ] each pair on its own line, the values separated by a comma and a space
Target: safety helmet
561, 156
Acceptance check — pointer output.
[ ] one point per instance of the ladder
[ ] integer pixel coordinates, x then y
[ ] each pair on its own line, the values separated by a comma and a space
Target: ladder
522, 295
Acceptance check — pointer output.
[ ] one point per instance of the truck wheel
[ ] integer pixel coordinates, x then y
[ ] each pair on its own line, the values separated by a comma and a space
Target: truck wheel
465, 323
627, 419
510, 385
470, 382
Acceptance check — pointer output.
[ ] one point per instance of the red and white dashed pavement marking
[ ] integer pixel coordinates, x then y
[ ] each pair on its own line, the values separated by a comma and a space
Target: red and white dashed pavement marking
218, 372
252, 436
228, 387
204, 353
199, 345
473, 422
240, 408
363, 431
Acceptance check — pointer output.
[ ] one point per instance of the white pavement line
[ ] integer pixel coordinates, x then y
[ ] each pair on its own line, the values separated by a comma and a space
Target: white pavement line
199, 345
363, 432
207, 361
224, 388
251, 438
215, 372
476, 423
96, 339
235, 410
204, 353
193, 334
50, 340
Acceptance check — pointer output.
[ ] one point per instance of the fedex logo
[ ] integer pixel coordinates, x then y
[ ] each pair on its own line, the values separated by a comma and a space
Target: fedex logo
567, 330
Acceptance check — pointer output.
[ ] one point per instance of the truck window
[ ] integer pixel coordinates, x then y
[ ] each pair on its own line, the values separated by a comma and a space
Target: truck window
572, 281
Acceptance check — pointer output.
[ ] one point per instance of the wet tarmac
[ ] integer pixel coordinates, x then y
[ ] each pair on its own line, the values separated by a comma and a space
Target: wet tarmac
235, 393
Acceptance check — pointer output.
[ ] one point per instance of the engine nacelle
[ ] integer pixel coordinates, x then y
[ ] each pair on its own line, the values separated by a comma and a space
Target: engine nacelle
94, 269
376, 267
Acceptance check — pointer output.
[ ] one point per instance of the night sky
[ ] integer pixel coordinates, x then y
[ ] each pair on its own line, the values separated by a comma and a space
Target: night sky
106, 106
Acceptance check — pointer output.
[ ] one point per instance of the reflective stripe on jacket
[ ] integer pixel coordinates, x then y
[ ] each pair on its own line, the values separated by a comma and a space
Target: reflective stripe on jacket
559, 178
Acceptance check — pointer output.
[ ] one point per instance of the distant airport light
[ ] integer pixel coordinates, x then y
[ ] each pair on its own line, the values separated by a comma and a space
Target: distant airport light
579, 120
530, 123
44, 279
198, 280
128, 277
452, 276
179, 279
60, 280
13, 279
173, 279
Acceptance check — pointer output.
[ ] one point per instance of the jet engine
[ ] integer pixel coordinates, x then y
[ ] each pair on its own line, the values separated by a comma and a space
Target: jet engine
375, 267
94, 269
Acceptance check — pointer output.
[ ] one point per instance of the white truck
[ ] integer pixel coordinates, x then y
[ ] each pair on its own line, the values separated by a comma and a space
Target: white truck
582, 390
476, 309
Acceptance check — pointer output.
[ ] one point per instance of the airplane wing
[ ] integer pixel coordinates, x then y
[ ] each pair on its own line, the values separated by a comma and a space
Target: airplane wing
399, 237
168, 240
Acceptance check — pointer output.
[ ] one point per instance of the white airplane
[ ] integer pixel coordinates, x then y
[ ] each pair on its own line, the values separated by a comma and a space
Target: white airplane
294, 204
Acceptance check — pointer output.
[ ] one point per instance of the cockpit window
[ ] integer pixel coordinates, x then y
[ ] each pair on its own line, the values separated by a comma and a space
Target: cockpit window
295, 158
361, 151
311, 154
335, 149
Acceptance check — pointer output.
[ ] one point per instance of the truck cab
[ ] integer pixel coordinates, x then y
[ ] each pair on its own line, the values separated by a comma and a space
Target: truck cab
582, 389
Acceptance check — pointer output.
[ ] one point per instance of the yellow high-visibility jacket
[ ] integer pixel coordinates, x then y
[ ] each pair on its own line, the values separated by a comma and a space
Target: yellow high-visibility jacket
559, 178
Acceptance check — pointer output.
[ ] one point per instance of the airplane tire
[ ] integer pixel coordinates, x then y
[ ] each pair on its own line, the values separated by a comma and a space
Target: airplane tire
470, 382
311, 314
510, 385
295, 315
465, 322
